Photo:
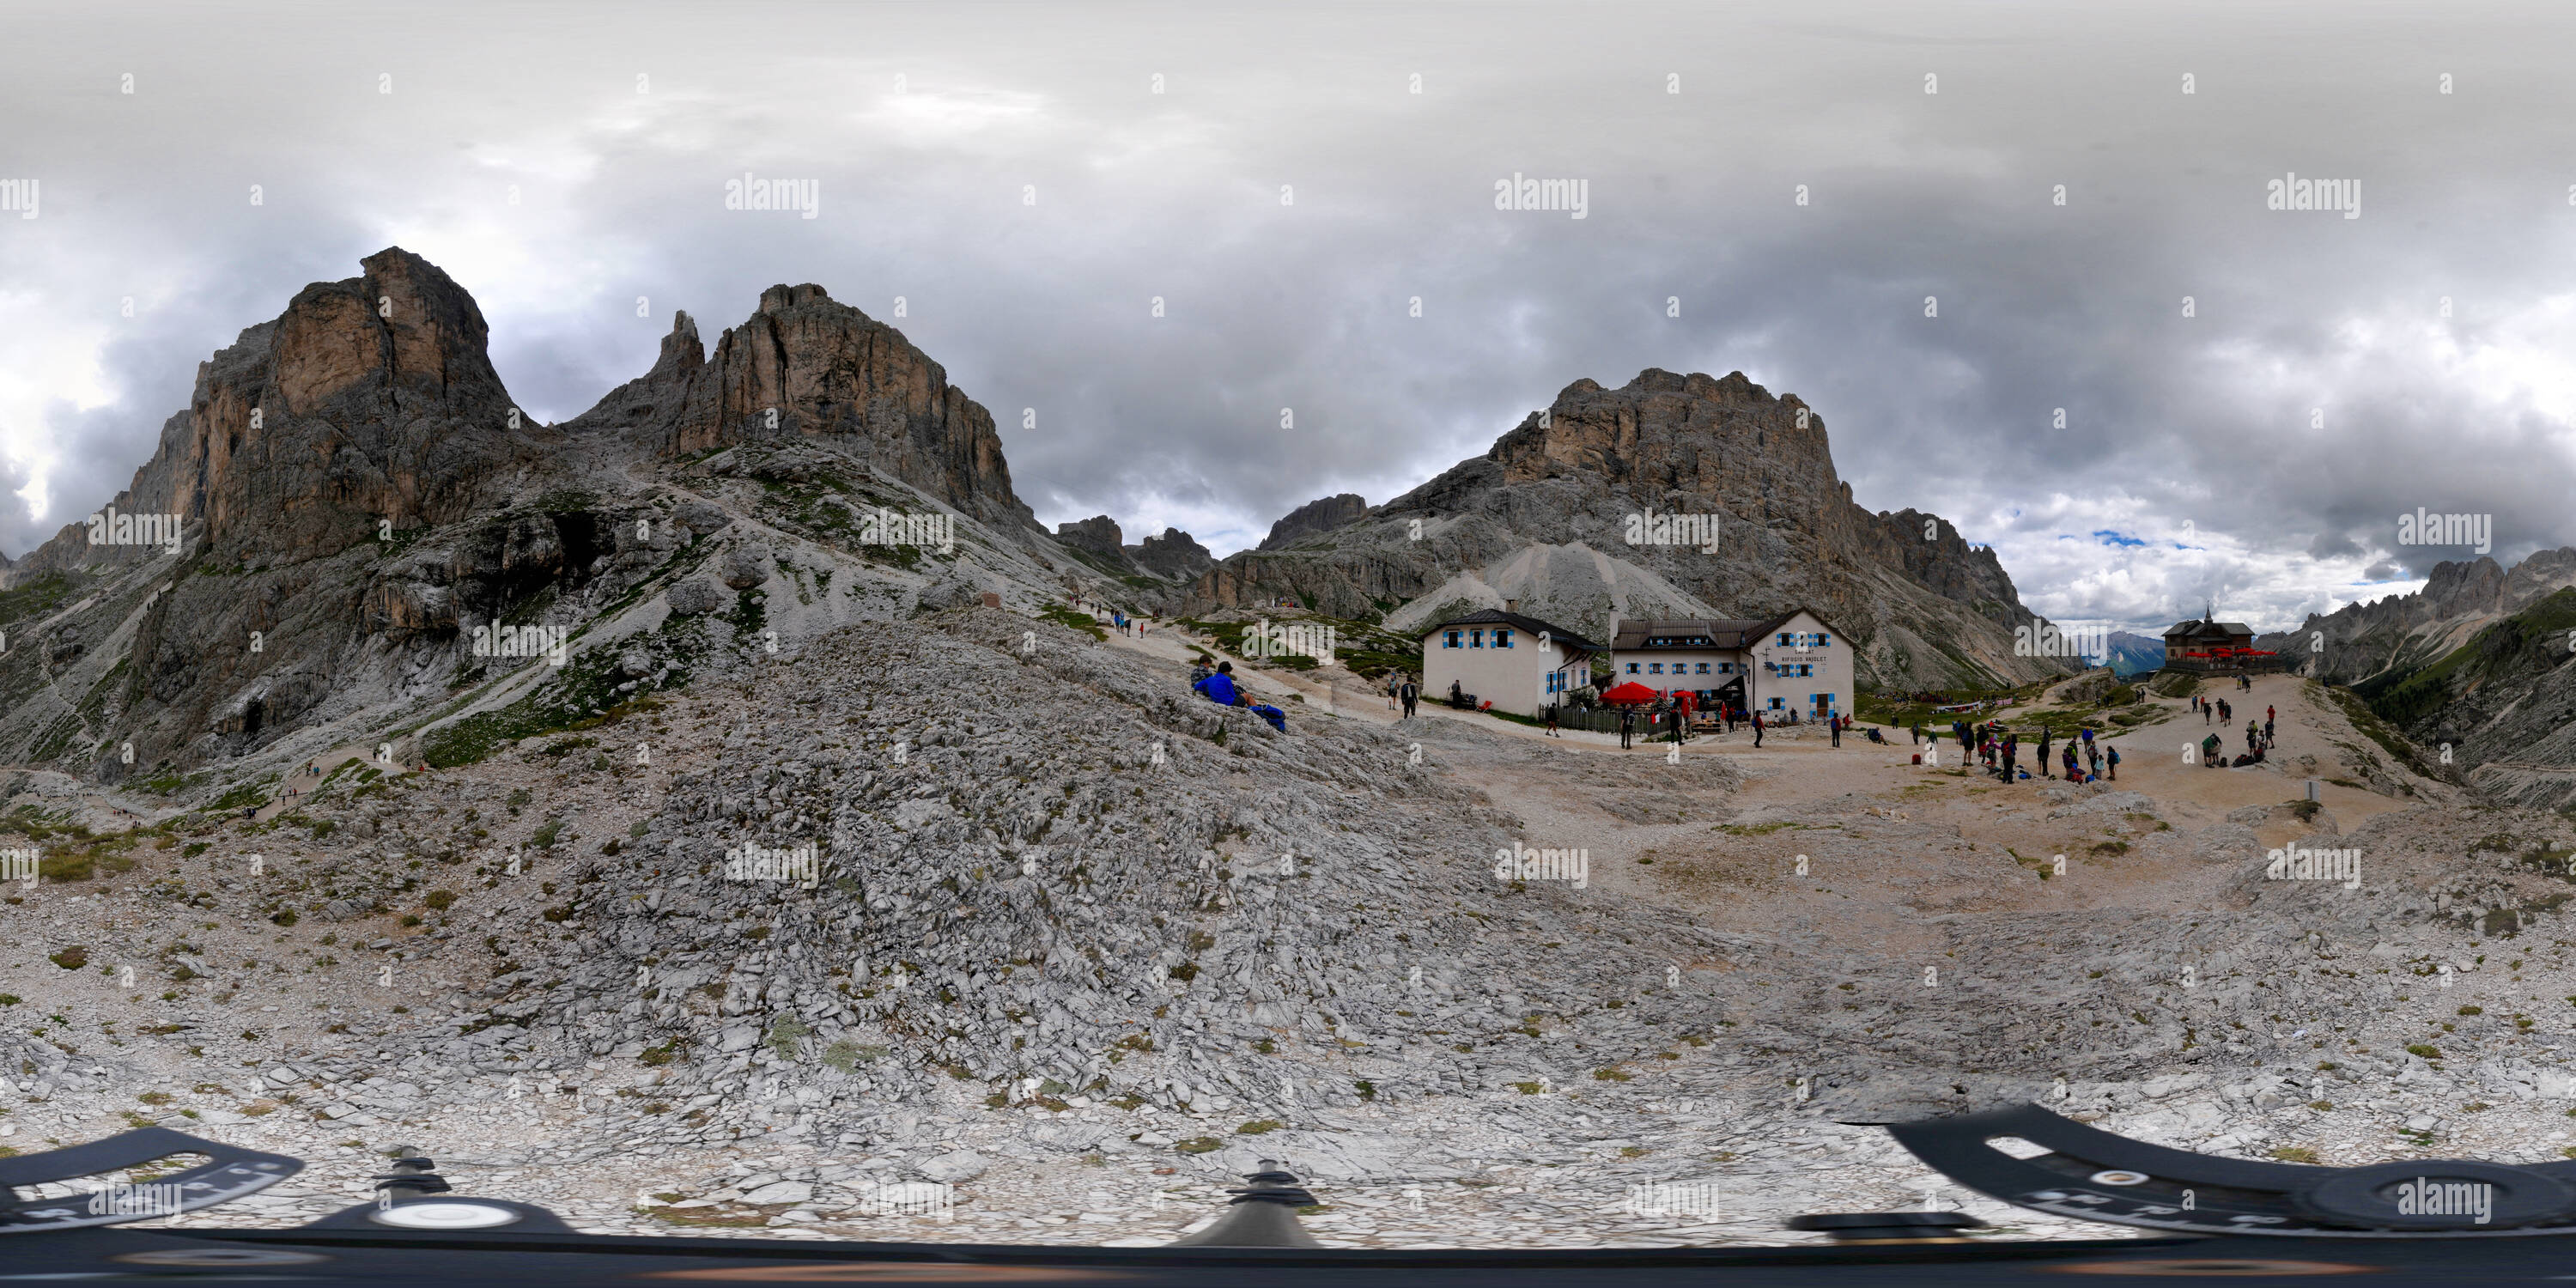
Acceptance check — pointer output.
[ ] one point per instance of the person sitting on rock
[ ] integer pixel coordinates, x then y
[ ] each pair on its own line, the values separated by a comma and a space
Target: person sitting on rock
1218, 686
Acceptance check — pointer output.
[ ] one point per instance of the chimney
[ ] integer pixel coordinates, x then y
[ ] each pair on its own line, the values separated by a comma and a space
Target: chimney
1511, 605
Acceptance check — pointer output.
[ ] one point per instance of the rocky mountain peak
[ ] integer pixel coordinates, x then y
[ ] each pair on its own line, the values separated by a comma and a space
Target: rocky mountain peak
1313, 517
1098, 534
371, 398
1175, 555
804, 365
1554, 514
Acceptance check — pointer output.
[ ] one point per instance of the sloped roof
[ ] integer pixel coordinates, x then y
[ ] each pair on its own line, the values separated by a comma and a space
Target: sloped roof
1688, 633
1721, 633
1498, 617
2201, 627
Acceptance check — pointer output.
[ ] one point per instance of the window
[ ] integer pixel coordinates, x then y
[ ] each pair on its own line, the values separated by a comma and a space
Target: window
1632, 668
1502, 638
1786, 640
1476, 637
1452, 641
1654, 668
1726, 668
1703, 669
1776, 704
1823, 639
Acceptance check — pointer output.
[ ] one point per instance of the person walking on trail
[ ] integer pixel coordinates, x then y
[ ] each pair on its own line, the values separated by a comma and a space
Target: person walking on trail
2268, 713
1394, 680
1551, 722
2093, 758
2114, 775
2012, 752
2205, 712
1627, 727
2043, 753
1411, 693
1834, 725
2267, 730
2073, 774
1757, 728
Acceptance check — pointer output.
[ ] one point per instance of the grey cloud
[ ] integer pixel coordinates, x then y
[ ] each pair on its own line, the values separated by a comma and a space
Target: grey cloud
1176, 419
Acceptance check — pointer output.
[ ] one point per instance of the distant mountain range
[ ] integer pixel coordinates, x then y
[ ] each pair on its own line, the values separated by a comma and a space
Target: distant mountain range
2134, 654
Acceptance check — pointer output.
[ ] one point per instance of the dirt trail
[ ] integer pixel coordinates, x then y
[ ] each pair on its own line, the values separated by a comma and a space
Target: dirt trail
298, 785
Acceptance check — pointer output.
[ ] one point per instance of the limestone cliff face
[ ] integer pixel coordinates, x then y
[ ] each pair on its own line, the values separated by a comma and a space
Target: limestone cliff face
1175, 555
1548, 516
1315, 516
806, 366
1098, 534
368, 399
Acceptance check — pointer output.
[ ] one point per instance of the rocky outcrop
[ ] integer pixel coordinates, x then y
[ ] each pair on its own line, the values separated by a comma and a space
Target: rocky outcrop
1174, 556
369, 400
1315, 517
1563, 513
1098, 534
807, 366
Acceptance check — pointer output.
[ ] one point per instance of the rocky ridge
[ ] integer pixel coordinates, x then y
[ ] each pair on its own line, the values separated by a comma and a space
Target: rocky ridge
1545, 518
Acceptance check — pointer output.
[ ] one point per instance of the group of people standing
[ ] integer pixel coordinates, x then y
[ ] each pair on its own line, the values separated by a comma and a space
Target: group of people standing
1998, 749
2258, 734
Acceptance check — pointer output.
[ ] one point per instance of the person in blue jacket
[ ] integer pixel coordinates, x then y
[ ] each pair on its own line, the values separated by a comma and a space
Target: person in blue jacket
1219, 688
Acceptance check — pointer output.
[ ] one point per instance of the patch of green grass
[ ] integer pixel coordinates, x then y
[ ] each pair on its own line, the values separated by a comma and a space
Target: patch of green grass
1073, 618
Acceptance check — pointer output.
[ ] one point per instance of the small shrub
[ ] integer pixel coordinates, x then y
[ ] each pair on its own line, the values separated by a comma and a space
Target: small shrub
72, 958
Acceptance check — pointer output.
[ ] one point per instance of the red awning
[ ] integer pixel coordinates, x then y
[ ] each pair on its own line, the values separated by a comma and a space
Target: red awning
1629, 692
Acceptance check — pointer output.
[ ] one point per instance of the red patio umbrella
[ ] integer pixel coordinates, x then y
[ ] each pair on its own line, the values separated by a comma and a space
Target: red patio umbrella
1629, 692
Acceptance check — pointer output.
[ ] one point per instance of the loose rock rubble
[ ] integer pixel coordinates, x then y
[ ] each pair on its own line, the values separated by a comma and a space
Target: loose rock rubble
1074, 947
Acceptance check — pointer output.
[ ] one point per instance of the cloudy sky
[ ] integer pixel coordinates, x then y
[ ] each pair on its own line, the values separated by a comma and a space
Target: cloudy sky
1290, 179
